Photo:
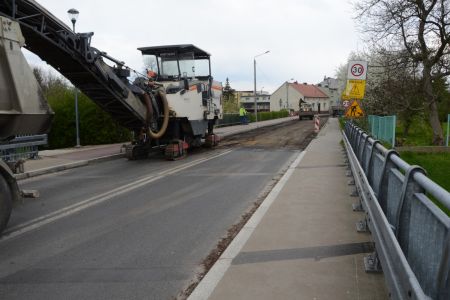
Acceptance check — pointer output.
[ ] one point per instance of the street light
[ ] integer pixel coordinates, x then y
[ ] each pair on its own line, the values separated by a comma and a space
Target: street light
287, 93
254, 82
73, 16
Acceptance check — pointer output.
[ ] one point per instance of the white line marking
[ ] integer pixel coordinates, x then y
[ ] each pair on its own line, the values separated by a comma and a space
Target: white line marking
205, 288
77, 207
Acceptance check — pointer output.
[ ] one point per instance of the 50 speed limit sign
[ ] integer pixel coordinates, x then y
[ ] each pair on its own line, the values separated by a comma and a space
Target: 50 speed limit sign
357, 69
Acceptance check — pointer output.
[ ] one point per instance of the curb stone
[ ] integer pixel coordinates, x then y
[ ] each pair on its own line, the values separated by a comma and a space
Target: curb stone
68, 166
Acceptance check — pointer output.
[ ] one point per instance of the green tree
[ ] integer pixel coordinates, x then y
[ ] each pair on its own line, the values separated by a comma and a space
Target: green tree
96, 126
420, 30
230, 101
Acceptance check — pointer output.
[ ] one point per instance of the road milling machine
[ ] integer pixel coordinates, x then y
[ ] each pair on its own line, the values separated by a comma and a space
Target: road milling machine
173, 107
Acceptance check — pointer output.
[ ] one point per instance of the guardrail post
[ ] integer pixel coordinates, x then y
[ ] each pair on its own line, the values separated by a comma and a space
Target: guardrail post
357, 141
383, 185
353, 135
410, 187
372, 263
351, 131
362, 225
361, 144
370, 162
364, 157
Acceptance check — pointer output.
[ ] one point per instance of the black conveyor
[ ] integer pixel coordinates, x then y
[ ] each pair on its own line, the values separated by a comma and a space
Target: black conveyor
71, 54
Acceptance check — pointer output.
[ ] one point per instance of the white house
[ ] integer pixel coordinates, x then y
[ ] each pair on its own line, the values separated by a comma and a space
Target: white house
288, 96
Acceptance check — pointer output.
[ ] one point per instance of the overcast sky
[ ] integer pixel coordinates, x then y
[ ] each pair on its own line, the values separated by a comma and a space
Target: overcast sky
307, 39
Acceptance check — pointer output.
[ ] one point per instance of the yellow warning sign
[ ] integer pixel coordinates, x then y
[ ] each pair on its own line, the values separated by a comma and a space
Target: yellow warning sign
354, 110
355, 89
344, 97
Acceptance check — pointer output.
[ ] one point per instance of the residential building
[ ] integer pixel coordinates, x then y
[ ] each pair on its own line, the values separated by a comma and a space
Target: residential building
247, 99
333, 88
288, 96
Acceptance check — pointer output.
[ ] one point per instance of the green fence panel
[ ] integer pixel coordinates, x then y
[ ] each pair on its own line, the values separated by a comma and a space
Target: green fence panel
383, 128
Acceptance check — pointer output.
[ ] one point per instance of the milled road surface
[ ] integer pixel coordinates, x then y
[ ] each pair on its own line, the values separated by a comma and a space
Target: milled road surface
138, 229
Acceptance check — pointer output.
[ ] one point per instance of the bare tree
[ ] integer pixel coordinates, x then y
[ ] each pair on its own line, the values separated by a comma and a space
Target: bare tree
420, 29
394, 85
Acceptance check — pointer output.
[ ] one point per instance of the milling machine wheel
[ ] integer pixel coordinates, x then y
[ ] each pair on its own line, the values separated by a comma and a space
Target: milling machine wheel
133, 152
212, 140
5, 202
176, 149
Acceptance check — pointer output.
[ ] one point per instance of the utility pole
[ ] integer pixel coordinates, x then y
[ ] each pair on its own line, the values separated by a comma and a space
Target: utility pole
73, 16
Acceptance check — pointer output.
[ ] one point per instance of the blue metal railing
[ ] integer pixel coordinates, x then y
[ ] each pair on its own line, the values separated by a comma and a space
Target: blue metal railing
22, 147
411, 234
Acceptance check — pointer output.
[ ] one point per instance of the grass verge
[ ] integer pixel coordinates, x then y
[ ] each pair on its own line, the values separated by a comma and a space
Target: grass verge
419, 134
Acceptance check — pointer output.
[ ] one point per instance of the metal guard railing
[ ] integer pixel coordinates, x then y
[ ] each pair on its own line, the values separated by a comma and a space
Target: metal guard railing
411, 234
22, 147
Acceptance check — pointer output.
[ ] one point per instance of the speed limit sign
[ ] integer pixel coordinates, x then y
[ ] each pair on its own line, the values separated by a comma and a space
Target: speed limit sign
346, 103
357, 69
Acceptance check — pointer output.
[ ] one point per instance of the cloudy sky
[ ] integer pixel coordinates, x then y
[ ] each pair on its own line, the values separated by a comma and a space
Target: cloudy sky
307, 39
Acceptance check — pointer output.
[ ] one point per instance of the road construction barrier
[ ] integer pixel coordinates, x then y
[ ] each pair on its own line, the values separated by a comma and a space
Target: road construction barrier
316, 123
411, 233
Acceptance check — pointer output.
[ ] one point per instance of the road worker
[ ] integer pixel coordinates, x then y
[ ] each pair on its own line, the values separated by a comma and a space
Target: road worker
243, 115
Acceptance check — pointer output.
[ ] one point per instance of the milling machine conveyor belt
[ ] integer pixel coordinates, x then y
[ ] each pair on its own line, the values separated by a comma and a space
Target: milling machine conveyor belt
71, 54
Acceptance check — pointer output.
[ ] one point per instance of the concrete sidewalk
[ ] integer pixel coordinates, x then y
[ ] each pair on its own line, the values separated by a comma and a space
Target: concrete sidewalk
302, 241
51, 161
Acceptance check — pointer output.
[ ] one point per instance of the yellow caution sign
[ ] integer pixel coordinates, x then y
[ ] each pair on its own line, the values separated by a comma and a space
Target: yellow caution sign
344, 97
354, 110
355, 89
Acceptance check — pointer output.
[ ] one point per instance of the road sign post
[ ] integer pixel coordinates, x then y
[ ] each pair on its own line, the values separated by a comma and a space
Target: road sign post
355, 88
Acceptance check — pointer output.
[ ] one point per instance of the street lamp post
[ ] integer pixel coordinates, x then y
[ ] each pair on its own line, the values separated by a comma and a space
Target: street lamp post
254, 83
73, 16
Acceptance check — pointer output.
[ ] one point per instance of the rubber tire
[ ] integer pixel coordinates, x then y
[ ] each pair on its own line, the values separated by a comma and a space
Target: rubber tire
5, 203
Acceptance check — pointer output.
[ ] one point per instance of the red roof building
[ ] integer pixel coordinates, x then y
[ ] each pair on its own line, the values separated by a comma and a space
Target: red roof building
289, 95
309, 90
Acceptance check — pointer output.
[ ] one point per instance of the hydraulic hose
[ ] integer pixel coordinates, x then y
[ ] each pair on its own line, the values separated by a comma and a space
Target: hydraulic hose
148, 104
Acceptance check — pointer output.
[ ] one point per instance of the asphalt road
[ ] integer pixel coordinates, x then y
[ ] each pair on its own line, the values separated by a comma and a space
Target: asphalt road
136, 229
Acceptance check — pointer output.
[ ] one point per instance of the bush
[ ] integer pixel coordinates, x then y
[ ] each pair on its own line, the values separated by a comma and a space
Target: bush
96, 126
269, 115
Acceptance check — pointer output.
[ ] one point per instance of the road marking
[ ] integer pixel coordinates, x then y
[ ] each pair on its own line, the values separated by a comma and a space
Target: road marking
205, 288
95, 200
